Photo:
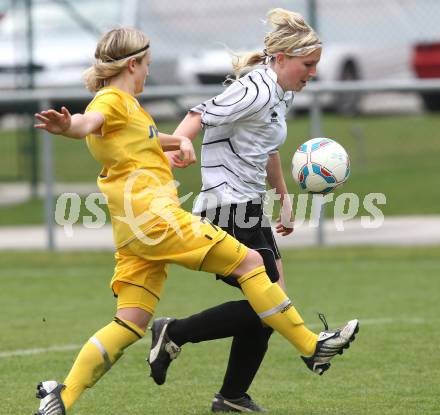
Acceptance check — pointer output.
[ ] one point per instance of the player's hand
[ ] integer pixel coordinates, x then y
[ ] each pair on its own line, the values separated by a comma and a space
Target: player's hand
284, 230
185, 156
286, 220
176, 161
53, 121
170, 155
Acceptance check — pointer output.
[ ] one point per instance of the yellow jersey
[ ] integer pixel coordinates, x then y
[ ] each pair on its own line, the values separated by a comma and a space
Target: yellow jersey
136, 176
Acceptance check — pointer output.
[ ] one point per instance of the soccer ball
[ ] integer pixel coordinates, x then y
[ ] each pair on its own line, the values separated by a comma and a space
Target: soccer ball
320, 165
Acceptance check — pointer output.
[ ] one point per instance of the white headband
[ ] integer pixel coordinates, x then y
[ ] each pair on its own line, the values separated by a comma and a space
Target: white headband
294, 51
298, 50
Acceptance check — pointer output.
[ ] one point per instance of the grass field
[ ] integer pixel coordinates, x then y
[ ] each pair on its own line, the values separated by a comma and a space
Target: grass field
397, 156
52, 303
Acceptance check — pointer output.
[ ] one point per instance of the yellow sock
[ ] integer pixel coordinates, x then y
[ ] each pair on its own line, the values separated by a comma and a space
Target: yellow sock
97, 356
273, 306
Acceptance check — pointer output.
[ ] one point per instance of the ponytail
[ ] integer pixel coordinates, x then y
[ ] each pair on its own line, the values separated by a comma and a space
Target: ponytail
291, 35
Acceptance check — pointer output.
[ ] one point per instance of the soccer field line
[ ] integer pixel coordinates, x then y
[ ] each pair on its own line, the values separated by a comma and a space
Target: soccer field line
69, 347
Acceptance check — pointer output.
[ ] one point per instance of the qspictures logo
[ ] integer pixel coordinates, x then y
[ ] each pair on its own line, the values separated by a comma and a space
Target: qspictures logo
307, 209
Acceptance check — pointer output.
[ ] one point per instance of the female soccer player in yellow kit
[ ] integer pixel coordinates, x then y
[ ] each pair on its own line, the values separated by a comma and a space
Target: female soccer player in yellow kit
149, 227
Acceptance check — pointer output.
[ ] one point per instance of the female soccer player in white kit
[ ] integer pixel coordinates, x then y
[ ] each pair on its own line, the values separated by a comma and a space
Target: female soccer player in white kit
243, 129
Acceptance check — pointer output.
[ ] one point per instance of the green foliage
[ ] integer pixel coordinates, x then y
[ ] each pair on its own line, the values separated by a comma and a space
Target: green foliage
61, 299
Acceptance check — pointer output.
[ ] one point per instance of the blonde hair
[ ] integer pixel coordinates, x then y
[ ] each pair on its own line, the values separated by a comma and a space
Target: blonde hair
112, 54
291, 35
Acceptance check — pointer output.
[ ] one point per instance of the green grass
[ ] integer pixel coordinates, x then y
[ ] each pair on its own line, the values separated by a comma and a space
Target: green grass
61, 299
398, 156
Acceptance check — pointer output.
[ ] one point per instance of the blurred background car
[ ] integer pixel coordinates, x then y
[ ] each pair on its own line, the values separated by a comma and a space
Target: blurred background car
339, 62
51, 42
48, 44
426, 64
379, 46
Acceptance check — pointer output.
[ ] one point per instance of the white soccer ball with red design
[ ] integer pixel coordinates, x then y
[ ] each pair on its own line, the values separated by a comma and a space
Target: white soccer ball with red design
320, 165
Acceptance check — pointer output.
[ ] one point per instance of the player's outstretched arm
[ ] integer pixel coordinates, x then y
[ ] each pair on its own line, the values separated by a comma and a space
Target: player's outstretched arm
72, 126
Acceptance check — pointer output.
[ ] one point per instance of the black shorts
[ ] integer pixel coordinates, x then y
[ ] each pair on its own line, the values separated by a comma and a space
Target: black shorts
248, 224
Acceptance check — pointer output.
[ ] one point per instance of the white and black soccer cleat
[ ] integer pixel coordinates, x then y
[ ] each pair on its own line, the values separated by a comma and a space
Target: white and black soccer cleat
243, 404
163, 350
50, 394
330, 343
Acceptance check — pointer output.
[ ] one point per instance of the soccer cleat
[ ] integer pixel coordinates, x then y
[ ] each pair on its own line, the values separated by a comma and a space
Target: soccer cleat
243, 404
50, 394
163, 350
330, 343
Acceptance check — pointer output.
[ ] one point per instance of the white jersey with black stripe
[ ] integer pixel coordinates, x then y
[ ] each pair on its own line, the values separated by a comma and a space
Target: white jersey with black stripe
242, 126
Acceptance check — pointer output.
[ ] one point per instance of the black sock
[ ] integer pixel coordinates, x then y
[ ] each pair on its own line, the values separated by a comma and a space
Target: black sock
247, 353
225, 320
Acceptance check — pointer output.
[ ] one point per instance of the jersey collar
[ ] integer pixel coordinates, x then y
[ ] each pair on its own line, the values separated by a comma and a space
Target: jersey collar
282, 95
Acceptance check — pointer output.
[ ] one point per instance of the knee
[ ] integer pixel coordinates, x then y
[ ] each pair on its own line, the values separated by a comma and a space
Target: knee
252, 260
136, 316
257, 337
262, 336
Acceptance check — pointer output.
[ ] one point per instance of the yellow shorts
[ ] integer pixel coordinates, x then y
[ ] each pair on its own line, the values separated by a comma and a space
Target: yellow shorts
182, 239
